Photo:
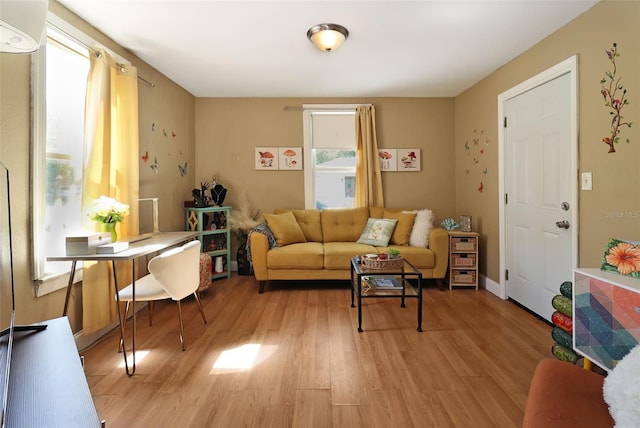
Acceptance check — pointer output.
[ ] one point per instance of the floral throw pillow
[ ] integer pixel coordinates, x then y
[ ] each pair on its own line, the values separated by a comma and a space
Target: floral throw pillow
622, 257
378, 231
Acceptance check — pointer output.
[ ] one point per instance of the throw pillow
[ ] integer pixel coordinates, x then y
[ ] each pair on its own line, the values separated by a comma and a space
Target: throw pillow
421, 228
402, 232
621, 390
378, 231
285, 228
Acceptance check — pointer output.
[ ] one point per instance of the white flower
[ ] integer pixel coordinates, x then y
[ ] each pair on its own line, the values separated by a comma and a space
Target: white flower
108, 210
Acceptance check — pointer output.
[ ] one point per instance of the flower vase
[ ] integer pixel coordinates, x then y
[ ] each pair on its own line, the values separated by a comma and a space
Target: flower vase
111, 227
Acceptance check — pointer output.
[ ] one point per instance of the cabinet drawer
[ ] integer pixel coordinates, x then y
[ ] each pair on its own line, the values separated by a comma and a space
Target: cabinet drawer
464, 244
463, 277
463, 260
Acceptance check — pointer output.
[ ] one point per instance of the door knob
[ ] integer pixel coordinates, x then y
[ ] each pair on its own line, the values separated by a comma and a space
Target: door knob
564, 224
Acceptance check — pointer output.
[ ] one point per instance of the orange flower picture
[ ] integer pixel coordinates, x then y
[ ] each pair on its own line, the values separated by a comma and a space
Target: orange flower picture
622, 257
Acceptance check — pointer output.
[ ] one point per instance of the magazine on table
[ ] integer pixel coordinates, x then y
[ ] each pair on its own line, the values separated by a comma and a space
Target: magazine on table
385, 282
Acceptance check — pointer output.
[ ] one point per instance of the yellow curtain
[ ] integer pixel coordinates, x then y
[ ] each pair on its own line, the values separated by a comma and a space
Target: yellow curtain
110, 169
368, 179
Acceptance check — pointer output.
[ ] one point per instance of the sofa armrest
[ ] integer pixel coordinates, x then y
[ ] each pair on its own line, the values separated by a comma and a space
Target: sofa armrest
439, 244
259, 248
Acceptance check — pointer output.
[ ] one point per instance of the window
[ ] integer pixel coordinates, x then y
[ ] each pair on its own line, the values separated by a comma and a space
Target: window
59, 81
330, 156
60, 78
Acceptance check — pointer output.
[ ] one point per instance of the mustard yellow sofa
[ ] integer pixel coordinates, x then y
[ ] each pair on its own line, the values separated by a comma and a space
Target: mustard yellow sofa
329, 242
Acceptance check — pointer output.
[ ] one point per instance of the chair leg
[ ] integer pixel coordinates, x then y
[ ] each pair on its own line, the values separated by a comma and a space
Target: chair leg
200, 307
151, 306
181, 325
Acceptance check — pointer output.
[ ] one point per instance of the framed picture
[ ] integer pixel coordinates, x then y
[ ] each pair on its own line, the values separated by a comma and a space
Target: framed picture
409, 160
388, 159
290, 158
266, 158
465, 223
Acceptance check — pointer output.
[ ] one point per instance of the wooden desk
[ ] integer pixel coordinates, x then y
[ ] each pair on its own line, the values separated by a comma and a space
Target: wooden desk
154, 244
47, 385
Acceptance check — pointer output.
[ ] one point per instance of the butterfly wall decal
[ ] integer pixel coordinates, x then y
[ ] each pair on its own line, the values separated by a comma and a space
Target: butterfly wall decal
481, 188
145, 156
154, 165
183, 169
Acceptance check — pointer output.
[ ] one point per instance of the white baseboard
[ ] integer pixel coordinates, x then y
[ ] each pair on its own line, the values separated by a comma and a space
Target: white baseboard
490, 285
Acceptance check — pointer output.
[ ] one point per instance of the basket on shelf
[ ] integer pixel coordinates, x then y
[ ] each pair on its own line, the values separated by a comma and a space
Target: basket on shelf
371, 263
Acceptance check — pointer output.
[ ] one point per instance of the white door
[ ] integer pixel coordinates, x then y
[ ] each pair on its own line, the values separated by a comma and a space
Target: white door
538, 187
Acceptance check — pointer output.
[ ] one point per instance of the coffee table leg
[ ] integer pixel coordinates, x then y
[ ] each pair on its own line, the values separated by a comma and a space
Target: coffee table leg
420, 304
359, 304
353, 284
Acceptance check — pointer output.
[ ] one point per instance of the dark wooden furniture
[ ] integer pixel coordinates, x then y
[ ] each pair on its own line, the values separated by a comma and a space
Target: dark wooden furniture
47, 385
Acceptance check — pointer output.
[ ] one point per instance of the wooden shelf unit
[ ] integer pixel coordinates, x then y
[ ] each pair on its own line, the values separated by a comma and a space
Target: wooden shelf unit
217, 241
463, 259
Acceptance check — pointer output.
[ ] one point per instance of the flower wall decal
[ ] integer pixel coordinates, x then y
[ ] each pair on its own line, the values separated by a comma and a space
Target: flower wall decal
615, 97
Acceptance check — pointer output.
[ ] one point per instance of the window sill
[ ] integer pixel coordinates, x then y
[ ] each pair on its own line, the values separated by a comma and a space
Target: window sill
55, 282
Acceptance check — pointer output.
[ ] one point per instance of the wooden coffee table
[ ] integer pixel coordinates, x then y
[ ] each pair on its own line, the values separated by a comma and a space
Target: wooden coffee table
402, 283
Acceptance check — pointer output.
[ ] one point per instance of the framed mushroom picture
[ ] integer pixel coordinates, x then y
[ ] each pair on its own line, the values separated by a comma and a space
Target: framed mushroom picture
387, 159
290, 158
409, 160
266, 158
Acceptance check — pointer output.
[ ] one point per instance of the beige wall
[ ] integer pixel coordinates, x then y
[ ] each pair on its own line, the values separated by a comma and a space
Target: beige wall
168, 105
229, 129
615, 176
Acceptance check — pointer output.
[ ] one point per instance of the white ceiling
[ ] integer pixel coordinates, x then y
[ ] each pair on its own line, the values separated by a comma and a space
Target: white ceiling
259, 48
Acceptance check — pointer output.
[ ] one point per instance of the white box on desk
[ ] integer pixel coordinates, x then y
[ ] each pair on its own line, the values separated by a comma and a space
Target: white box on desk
86, 244
112, 248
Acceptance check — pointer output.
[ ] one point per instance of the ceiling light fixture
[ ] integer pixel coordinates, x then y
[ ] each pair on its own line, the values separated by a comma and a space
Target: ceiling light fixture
327, 37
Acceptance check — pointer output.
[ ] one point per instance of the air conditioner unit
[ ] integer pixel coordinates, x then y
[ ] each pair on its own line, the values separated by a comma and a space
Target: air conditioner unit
22, 24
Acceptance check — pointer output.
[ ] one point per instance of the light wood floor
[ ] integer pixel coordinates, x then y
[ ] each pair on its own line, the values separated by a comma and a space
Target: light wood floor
471, 367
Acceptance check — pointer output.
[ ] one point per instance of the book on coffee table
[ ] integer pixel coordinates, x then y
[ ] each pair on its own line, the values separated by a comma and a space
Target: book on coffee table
386, 282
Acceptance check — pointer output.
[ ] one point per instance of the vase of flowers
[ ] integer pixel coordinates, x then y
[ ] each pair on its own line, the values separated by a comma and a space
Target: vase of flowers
108, 212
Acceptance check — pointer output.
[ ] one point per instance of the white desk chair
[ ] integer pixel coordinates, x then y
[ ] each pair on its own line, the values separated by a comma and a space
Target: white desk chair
174, 274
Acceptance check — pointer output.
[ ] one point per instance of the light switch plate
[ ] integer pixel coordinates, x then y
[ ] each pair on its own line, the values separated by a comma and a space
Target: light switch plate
587, 181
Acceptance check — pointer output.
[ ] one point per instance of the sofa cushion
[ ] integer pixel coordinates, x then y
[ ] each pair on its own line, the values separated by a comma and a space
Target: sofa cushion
285, 228
309, 221
421, 228
343, 224
307, 255
402, 232
378, 231
338, 255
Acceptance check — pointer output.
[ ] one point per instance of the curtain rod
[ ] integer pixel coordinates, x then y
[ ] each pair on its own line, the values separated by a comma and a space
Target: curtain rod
153, 85
301, 108
76, 36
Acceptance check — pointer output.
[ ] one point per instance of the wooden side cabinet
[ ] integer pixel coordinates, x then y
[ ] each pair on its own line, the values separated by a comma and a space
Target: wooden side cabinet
463, 259
212, 225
